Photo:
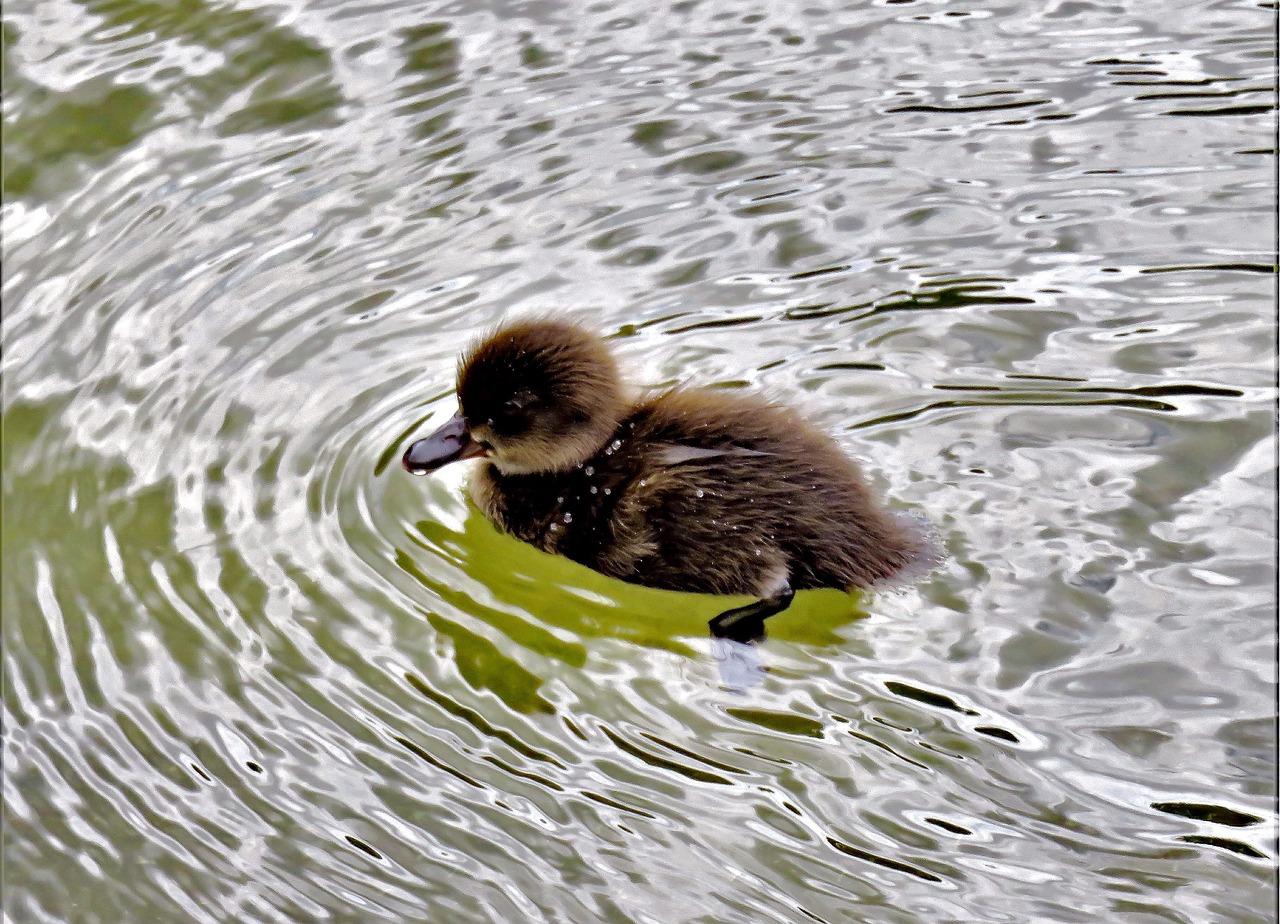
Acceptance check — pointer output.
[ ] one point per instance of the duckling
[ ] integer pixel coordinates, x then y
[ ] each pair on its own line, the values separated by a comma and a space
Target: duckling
691, 490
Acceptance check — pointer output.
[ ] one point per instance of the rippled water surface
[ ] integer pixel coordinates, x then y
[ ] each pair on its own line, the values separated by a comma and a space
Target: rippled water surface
1017, 257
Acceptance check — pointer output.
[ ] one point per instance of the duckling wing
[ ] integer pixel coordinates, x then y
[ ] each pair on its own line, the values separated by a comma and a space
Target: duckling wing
745, 488
678, 453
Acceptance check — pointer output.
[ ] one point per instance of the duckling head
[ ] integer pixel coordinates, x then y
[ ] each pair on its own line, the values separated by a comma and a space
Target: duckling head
535, 396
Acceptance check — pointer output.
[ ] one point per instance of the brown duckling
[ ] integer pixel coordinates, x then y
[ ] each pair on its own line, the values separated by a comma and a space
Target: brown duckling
692, 490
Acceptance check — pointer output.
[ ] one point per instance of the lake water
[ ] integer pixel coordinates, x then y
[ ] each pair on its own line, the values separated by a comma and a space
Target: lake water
1018, 258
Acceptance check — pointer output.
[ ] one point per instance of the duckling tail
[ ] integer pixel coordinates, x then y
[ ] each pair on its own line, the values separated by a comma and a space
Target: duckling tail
926, 554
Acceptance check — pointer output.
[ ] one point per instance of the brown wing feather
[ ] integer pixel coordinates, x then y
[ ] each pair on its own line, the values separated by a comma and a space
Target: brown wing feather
770, 492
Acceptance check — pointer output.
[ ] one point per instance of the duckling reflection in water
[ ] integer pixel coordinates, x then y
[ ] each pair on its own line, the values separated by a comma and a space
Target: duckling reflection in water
692, 490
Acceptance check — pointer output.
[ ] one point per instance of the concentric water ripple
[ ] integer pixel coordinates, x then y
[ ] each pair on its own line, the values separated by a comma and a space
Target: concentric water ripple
1018, 260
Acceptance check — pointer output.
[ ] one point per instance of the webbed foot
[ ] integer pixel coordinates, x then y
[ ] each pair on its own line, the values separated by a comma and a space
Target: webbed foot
745, 624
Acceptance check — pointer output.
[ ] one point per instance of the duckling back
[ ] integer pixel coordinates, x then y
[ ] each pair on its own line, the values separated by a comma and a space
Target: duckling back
739, 493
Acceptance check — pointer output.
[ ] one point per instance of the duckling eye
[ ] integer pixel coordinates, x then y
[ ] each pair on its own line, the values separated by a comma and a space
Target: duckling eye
512, 415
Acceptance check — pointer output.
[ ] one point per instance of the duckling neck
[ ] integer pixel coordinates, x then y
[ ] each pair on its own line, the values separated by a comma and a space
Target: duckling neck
566, 511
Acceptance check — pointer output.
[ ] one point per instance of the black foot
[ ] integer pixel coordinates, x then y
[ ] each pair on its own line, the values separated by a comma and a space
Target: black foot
745, 628
745, 624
